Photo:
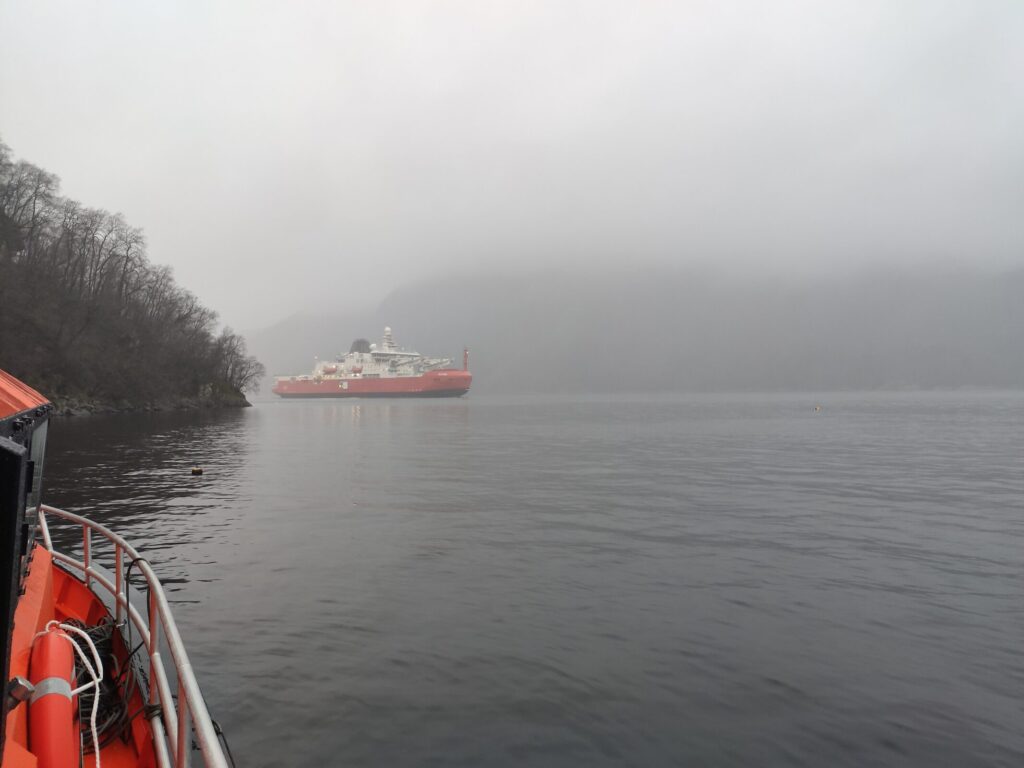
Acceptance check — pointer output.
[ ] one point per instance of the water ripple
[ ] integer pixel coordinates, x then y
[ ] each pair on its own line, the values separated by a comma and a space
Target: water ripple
727, 580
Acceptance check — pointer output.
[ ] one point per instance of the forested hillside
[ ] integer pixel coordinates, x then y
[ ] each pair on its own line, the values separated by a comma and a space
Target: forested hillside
85, 316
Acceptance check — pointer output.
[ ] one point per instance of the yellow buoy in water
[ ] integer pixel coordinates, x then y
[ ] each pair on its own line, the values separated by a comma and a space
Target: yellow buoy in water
197, 470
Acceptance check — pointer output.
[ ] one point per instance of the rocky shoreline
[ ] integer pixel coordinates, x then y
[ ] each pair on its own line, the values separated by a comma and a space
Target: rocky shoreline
85, 406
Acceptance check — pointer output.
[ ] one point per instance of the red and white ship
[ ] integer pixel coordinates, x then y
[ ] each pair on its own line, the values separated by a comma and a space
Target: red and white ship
379, 370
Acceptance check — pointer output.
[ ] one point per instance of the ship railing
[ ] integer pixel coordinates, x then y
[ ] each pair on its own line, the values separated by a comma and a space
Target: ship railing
173, 723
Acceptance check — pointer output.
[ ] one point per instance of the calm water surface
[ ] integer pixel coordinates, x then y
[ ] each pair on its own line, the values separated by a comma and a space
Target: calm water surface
633, 581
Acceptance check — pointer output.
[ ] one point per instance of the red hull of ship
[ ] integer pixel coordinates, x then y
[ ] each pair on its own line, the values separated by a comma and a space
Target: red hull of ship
444, 383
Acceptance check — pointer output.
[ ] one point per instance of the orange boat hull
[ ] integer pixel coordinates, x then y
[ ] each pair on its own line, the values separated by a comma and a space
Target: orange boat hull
52, 593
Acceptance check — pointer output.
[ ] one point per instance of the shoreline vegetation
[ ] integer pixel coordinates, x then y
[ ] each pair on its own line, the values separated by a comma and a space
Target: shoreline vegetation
65, 405
89, 321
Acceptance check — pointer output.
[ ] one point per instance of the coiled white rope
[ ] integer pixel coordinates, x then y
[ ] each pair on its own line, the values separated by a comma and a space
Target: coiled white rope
95, 672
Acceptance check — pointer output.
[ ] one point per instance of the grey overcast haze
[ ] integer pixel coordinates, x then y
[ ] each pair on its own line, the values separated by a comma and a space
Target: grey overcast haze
288, 157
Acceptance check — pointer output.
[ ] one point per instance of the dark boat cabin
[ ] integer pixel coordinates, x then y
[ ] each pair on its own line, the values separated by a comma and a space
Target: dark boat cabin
24, 415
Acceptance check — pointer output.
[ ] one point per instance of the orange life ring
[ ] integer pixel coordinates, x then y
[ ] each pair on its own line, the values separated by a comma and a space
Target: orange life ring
53, 733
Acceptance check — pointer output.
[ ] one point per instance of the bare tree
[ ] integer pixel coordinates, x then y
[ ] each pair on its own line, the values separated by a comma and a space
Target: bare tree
83, 309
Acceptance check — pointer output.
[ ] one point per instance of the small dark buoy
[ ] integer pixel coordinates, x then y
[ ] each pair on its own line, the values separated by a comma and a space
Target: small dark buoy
817, 408
197, 470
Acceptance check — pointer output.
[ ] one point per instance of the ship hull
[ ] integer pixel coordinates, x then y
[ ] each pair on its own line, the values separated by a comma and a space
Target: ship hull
444, 383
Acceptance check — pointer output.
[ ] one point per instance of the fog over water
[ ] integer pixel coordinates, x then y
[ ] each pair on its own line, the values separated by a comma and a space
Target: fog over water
286, 159
670, 330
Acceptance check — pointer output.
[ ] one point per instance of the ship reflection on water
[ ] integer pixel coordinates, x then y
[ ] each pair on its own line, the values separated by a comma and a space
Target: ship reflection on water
375, 413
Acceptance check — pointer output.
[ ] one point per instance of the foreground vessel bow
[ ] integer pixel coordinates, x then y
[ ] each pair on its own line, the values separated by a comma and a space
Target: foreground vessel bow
82, 646
379, 370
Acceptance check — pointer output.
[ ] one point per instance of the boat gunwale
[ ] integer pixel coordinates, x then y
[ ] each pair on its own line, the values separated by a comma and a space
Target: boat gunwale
170, 724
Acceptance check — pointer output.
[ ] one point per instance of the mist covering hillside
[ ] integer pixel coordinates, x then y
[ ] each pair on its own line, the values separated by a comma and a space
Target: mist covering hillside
663, 330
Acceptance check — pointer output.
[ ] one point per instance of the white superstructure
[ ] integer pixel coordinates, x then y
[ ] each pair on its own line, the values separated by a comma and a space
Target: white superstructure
364, 360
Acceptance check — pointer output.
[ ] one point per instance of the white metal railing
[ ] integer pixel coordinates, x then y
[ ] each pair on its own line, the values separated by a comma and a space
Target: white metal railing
170, 722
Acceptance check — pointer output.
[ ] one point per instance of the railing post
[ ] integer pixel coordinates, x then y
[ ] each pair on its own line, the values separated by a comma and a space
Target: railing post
87, 553
154, 650
119, 590
184, 751
154, 646
176, 725
45, 529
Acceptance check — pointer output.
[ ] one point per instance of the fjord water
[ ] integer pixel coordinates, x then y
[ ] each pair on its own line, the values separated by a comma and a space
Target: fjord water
727, 580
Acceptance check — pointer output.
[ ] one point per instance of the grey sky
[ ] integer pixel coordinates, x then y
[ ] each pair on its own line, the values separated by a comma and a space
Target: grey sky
287, 155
